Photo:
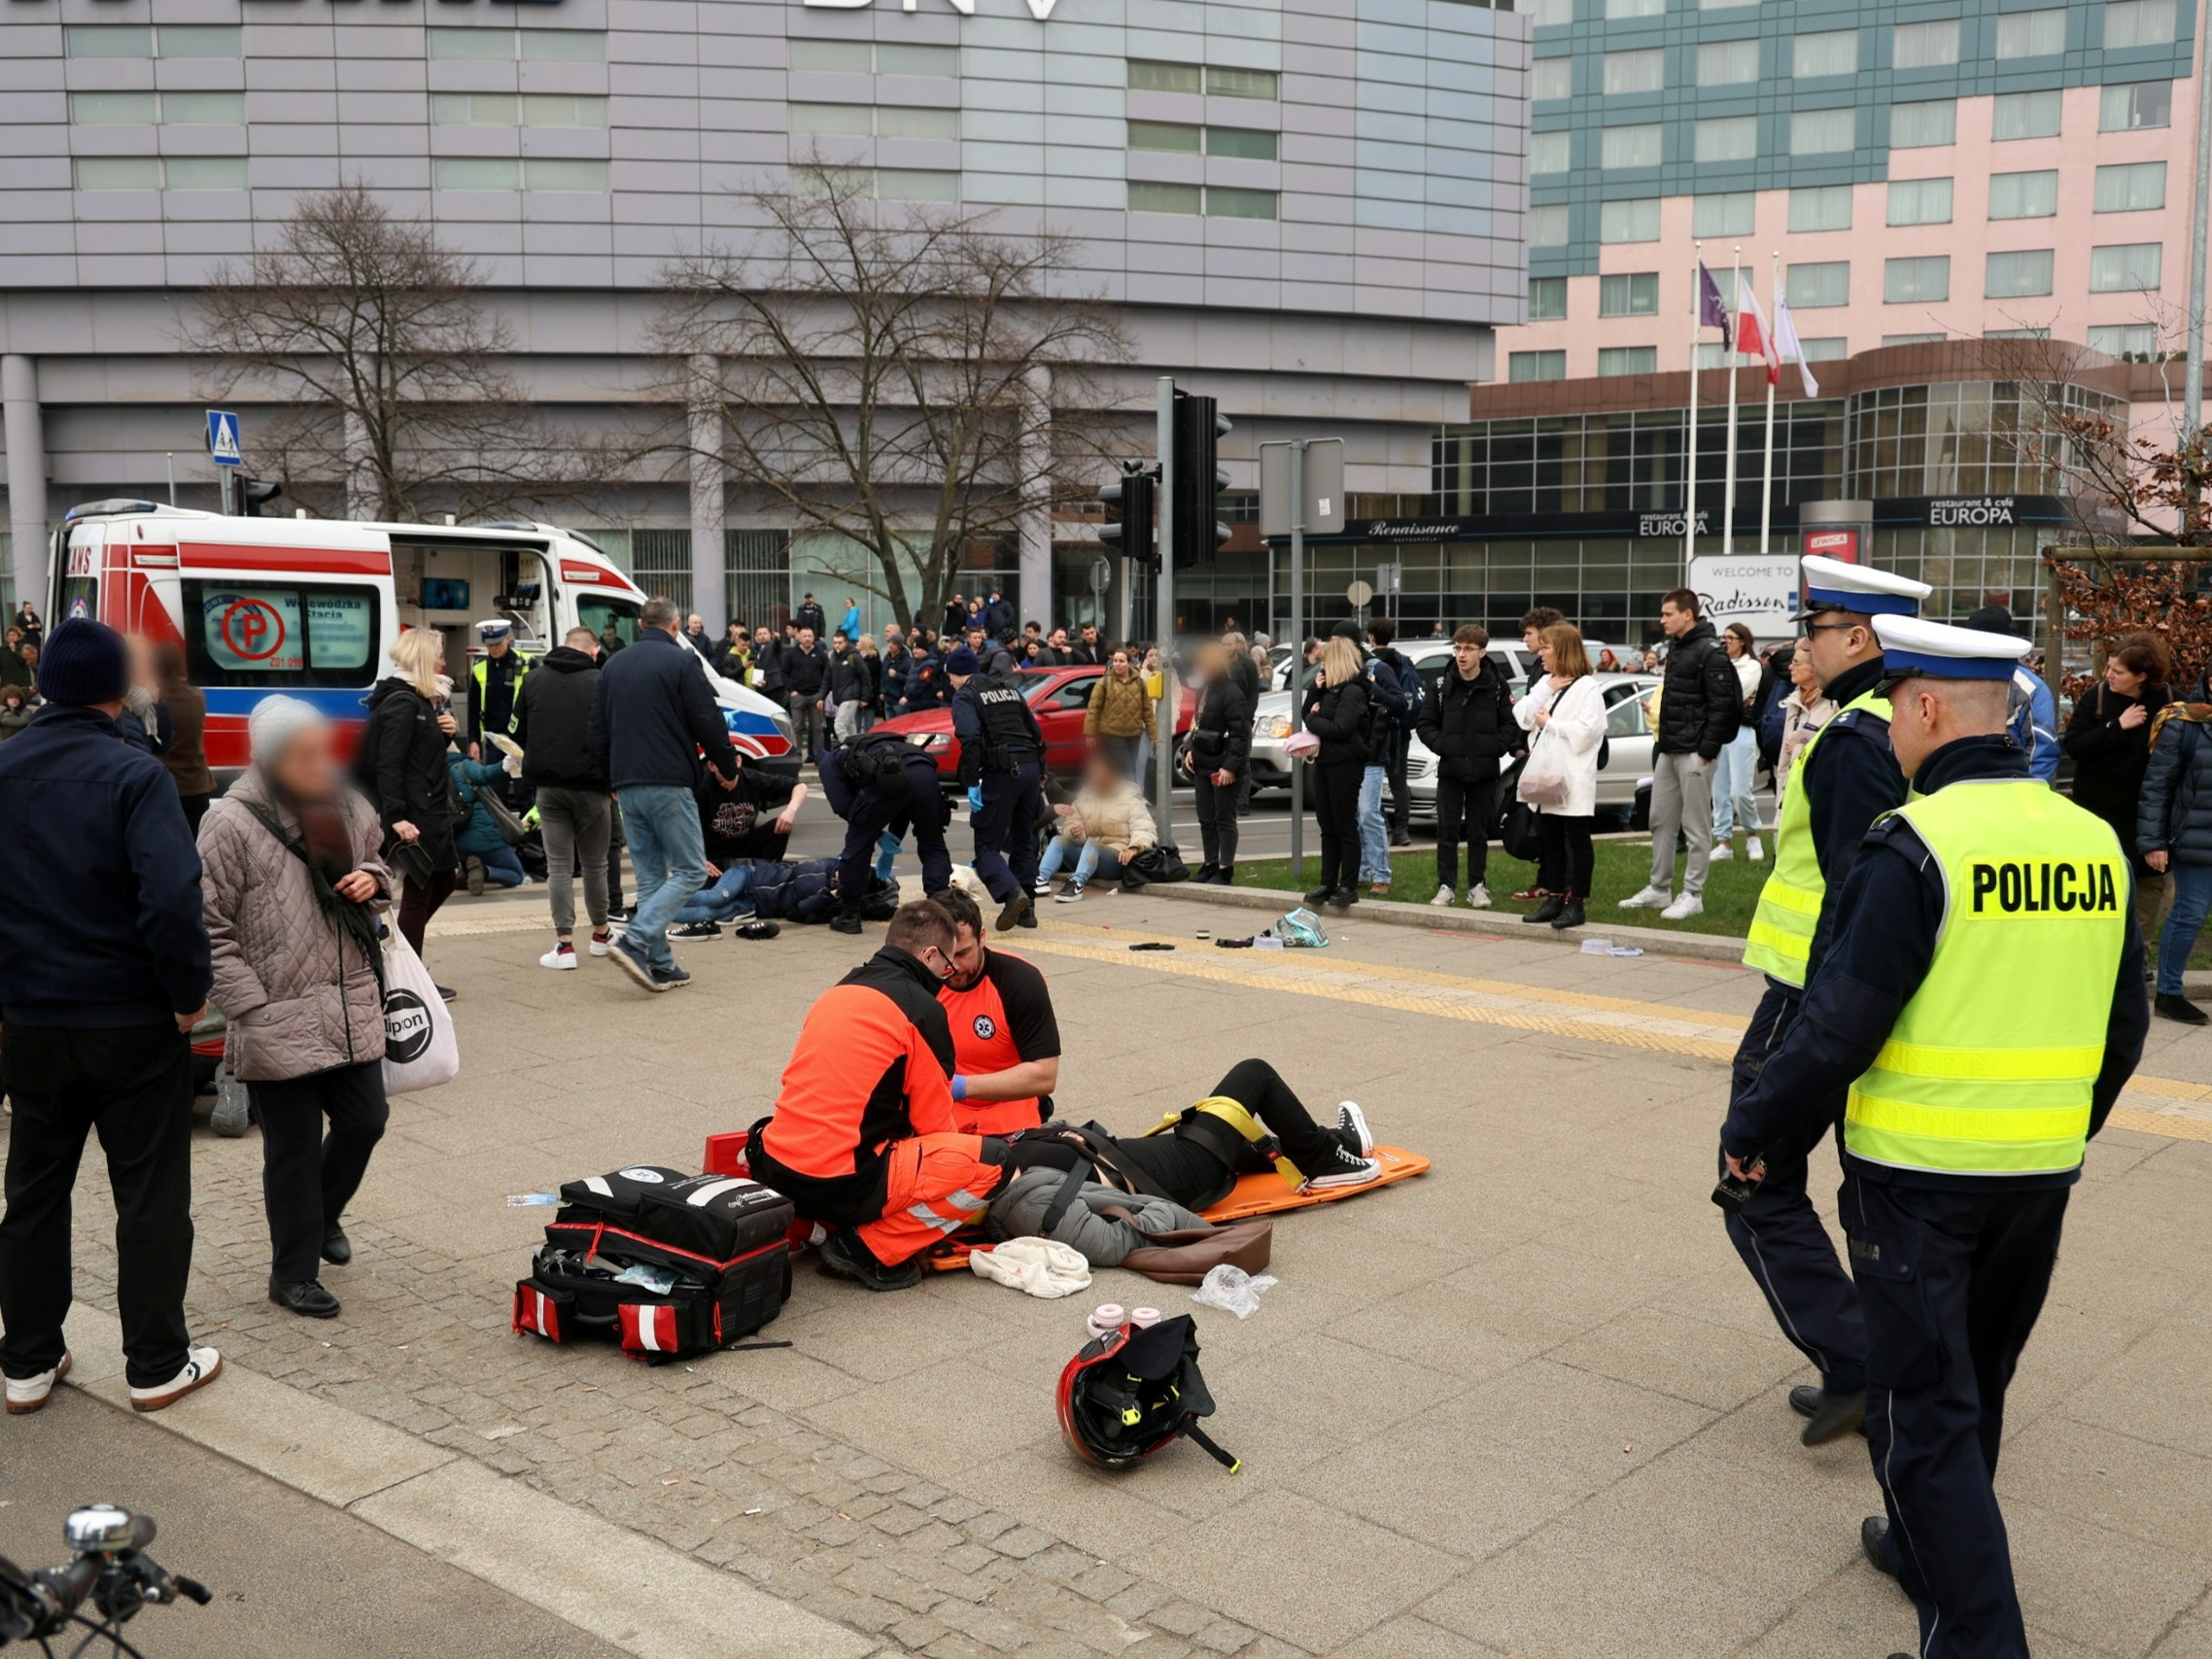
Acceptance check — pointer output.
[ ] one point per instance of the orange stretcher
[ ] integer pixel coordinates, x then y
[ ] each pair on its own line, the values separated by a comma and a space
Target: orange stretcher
1260, 1194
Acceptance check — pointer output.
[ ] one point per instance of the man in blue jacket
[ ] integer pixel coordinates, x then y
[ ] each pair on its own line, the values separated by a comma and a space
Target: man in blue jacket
652, 720
103, 970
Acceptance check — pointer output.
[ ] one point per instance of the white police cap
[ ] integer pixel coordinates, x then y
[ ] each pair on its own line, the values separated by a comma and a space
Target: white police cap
1830, 584
1915, 645
493, 628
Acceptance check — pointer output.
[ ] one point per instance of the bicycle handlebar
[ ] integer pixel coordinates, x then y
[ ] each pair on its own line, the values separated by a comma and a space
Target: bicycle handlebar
110, 1568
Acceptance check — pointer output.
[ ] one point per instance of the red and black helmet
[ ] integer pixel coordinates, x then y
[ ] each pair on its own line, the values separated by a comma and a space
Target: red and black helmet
1129, 1393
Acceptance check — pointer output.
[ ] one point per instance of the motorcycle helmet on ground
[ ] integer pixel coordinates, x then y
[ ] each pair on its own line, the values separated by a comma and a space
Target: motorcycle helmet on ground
1131, 1393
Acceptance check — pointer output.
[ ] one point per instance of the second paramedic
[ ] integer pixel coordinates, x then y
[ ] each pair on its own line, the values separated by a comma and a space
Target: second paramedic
1006, 1040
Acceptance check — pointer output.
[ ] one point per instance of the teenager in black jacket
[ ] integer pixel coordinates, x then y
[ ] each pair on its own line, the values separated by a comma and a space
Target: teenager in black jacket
1336, 713
401, 763
1220, 745
1468, 726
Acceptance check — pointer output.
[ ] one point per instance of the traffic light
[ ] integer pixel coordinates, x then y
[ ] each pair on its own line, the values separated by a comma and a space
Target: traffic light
1130, 500
1199, 480
243, 497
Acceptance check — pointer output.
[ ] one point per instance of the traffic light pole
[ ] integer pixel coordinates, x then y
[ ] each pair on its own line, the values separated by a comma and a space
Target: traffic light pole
1163, 624
1297, 660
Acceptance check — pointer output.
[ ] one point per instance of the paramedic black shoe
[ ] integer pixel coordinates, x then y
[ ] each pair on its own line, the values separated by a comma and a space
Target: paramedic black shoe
1352, 1129
844, 1254
1874, 1540
337, 1248
1014, 910
1342, 1169
1833, 1415
306, 1297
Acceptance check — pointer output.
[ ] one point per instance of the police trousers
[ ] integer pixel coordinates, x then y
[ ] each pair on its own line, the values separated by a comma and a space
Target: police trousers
909, 800
935, 1186
1952, 1283
1013, 803
1780, 1236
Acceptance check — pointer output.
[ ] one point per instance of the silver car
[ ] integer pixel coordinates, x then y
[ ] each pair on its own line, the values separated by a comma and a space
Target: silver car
1629, 738
1272, 720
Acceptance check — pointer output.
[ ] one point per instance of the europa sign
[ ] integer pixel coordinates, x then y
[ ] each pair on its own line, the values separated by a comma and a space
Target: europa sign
1038, 9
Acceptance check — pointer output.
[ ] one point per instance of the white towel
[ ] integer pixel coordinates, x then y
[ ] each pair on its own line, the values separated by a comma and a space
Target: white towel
1040, 1267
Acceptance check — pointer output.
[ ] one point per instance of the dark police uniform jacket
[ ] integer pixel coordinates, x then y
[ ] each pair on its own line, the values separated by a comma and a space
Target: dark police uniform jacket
995, 726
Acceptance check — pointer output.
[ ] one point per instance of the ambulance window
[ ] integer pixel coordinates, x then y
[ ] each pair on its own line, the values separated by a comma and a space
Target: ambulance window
80, 597
595, 610
264, 635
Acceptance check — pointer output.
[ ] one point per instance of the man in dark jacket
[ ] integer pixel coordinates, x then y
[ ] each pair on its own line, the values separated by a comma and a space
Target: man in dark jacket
1394, 661
805, 678
652, 717
552, 723
851, 686
998, 617
1087, 650
1701, 706
809, 615
104, 967
1468, 726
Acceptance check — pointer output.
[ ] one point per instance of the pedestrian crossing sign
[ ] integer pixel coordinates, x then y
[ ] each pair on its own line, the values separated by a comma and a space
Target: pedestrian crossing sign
223, 439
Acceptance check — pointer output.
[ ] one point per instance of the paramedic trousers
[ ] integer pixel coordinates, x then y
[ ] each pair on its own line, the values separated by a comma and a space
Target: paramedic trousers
308, 1177
1780, 1236
935, 1186
1013, 803
132, 1084
1952, 1284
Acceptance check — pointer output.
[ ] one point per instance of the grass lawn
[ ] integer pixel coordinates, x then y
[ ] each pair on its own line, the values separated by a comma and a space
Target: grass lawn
1731, 888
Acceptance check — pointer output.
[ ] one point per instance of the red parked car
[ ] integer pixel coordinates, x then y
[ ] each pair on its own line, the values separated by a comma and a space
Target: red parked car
1059, 696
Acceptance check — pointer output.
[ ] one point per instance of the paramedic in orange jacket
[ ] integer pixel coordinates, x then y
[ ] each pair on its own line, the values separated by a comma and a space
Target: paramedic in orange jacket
1006, 1040
863, 1139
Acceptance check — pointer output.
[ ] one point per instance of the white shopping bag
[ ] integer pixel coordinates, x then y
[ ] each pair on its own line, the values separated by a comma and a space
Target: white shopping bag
420, 1048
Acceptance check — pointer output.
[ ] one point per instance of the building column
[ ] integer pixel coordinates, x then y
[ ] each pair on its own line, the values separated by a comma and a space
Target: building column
25, 432
1036, 524
709, 586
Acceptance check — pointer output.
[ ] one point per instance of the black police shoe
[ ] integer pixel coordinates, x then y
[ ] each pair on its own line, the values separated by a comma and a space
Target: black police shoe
2180, 1008
1014, 910
844, 1254
1874, 1540
844, 923
306, 1297
337, 1248
1834, 1415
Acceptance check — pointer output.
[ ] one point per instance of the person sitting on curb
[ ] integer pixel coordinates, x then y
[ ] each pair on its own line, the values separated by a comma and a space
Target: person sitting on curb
1107, 824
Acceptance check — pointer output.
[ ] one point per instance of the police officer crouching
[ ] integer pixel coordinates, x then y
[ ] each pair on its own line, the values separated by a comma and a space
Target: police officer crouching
1949, 1006
1845, 779
1002, 753
879, 784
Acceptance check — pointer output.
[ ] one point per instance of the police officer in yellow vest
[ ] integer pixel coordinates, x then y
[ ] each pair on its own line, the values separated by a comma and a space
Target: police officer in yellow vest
1950, 1005
495, 680
1845, 779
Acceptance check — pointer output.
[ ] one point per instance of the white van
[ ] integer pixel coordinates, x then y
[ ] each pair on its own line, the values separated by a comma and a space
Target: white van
310, 606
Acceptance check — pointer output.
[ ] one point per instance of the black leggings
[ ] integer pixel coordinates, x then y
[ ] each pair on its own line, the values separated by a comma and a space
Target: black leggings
1464, 811
1567, 852
1188, 1173
307, 1177
1337, 806
1217, 818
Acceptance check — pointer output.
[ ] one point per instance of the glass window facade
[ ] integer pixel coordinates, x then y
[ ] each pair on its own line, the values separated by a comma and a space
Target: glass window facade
1730, 213
1929, 123
1820, 207
2019, 275
2024, 196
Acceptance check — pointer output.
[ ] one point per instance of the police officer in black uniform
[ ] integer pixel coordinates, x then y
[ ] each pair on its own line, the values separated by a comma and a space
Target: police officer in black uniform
1845, 779
876, 783
1950, 1006
1002, 755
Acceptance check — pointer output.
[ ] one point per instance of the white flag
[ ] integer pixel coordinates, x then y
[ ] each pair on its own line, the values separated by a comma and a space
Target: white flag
1790, 347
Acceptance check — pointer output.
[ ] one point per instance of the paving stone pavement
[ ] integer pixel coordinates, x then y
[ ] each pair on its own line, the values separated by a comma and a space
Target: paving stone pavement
1528, 1403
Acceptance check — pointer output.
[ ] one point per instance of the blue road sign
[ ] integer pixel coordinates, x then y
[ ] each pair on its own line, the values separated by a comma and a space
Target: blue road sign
223, 439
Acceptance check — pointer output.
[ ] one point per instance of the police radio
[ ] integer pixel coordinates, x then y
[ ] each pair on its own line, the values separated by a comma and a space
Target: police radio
1732, 1192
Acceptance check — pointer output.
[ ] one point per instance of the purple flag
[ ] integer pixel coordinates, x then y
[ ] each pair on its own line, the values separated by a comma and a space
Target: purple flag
1713, 310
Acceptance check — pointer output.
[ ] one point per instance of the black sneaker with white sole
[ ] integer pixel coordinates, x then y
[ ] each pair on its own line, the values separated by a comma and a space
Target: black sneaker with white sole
844, 1253
695, 930
1341, 1168
1352, 1129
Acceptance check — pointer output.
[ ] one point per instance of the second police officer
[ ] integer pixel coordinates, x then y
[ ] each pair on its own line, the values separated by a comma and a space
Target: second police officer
1843, 780
1002, 755
1949, 1009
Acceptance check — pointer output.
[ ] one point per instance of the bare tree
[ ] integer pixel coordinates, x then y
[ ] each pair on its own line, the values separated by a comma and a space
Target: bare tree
387, 367
908, 378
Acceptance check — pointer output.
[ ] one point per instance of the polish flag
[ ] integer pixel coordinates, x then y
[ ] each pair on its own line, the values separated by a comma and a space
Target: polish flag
1751, 336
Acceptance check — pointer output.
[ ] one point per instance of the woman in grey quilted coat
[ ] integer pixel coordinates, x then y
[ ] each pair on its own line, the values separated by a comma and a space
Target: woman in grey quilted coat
293, 887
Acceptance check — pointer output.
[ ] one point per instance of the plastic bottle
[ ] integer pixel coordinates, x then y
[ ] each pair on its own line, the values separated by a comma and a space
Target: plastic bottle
1106, 1317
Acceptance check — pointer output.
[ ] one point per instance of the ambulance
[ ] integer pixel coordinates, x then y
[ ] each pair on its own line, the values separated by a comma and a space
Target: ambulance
310, 606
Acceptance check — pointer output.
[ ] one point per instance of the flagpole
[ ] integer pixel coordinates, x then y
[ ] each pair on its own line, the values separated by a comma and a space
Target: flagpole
1767, 488
1728, 500
1690, 449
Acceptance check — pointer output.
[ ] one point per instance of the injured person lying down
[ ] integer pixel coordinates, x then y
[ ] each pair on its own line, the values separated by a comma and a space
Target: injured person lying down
1105, 1195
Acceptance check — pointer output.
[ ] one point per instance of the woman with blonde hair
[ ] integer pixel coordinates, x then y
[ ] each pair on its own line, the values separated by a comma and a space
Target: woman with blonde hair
1336, 713
401, 763
1567, 718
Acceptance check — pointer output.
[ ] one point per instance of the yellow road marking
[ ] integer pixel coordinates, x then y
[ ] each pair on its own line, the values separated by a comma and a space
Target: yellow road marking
1616, 1021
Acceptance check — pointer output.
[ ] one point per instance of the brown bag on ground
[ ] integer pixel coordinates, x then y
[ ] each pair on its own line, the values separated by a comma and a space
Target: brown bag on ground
1186, 1257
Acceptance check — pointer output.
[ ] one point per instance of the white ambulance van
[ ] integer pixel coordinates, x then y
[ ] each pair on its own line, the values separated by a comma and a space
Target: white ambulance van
310, 606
